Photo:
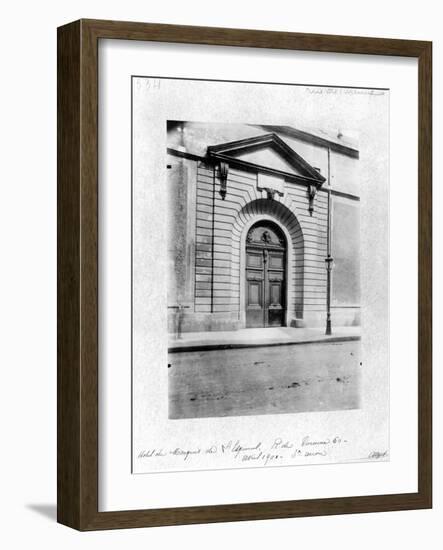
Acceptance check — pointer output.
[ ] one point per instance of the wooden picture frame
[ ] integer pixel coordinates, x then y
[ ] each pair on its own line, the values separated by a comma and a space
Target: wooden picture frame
77, 457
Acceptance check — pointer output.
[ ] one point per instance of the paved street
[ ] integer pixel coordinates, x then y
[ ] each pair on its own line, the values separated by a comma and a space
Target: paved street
264, 380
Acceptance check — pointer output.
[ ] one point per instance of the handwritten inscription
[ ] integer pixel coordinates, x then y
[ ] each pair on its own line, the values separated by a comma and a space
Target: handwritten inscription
378, 455
276, 451
318, 90
152, 84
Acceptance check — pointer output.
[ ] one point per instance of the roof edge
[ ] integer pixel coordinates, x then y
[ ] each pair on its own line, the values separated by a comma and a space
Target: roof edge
308, 137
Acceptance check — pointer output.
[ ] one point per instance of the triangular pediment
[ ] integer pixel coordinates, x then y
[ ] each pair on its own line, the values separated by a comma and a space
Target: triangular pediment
266, 153
270, 158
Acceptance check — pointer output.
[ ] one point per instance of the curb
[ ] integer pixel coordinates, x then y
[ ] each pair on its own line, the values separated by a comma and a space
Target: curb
240, 345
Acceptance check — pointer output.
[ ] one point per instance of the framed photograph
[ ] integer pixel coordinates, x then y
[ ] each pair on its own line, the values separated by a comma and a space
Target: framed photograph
244, 275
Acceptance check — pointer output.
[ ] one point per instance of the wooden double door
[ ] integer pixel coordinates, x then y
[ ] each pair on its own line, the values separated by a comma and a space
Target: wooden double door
265, 276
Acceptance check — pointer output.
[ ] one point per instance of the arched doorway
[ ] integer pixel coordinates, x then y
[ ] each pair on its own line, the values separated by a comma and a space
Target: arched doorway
266, 252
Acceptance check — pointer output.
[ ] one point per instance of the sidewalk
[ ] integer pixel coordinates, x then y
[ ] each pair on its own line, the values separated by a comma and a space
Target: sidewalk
255, 337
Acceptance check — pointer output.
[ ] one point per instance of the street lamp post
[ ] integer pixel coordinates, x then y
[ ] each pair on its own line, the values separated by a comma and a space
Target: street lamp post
329, 260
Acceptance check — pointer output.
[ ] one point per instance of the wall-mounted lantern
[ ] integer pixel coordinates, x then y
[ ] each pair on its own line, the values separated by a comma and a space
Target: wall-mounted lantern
224, 171
312, 191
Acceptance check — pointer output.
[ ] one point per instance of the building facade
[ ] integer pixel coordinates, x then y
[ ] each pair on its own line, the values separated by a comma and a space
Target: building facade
250, 217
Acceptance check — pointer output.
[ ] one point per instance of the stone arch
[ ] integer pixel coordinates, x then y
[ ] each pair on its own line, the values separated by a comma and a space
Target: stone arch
277, 212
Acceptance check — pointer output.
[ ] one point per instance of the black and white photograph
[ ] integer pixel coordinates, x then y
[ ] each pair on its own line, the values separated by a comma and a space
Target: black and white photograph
265, 250
264, 312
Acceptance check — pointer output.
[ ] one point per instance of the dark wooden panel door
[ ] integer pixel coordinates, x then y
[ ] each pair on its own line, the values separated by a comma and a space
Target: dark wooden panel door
255, 288
275, 291
265, 276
